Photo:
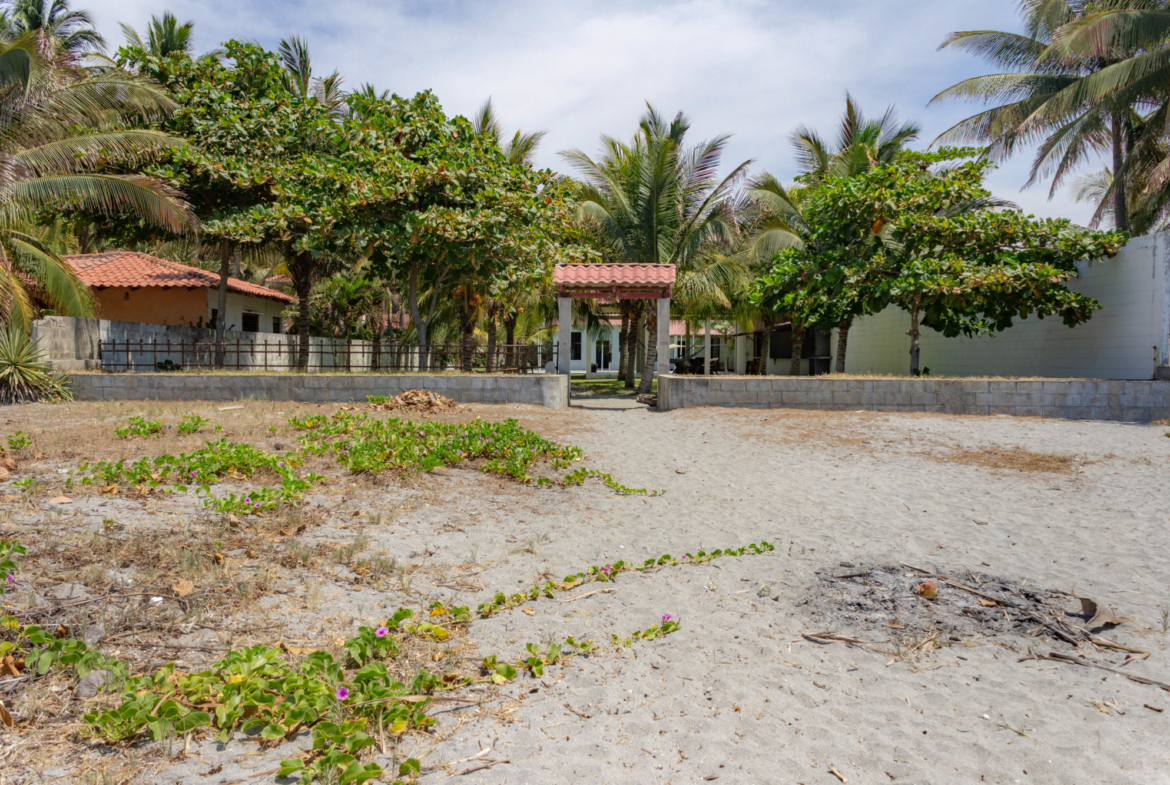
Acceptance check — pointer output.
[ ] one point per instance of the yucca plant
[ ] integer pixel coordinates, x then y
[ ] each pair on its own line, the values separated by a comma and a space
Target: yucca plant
24, 377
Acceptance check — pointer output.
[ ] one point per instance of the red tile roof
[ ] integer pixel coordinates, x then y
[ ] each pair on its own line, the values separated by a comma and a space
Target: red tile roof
614, 275
135, 270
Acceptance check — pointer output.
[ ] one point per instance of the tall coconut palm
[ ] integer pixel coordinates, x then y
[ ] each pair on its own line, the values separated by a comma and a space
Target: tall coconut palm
53, 19
164, 36
58, 127
520, 149
657, 202
1062, 88
299, 79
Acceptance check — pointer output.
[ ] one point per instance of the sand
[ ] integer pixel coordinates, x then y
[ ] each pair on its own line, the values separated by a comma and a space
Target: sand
737, 694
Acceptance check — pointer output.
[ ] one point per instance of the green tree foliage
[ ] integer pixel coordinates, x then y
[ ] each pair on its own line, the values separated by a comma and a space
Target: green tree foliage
947, 252
72, 31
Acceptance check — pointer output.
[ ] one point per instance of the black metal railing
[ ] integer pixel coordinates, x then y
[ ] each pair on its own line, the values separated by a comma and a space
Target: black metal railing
325, 355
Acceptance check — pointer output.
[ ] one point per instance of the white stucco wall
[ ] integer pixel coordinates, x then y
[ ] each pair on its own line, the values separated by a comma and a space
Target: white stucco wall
237, 304
1126, 339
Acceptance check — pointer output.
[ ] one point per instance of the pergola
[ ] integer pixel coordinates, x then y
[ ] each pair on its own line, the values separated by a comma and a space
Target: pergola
613, 282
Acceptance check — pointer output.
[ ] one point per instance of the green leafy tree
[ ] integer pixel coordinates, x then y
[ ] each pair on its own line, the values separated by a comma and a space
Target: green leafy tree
949, 253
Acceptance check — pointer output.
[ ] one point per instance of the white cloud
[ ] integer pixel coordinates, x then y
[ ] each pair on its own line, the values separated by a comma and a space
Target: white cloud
756, 69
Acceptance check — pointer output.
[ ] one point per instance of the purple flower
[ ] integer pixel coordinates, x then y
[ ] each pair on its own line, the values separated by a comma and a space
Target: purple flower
342, 693
193, 472
381, 632
666, 617
10, 578
280, 464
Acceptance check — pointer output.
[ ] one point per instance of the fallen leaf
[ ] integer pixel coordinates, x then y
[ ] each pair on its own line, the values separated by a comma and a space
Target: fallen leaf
8, 464
62, 631
293, 649
60, 500
1098, 615
9, 667
287, 532
529, 611
680, 471
6, 718
438, 656
218, 558
987, 603
110, 489
183, 587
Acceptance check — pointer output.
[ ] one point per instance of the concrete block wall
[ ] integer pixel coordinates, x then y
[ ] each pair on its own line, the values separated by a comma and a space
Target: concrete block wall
1073, 399
72, 344
1126, 339
548, 390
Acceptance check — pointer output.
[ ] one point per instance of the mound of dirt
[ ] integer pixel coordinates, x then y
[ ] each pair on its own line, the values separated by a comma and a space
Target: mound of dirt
416, 401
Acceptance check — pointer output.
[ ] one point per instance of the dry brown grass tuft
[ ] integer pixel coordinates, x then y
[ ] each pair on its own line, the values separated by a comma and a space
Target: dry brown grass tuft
1017, 459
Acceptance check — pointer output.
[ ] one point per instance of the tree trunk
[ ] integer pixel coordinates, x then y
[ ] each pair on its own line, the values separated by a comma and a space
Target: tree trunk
842, 344
467, 328
225, 260
376, 359
915, 339
797, 350
765, 349
651, 350
1120, 207
511, 356
420, 327
302, 276
491, 341
622, 344
633, 336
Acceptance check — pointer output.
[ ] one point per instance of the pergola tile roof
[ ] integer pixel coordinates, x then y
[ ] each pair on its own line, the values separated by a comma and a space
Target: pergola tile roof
639, 275
134, 270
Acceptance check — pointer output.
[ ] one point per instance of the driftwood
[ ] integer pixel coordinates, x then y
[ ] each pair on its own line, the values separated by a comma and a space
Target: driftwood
1058, 657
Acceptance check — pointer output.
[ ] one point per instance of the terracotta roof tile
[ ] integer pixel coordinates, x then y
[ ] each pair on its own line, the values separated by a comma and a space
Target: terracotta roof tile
614, 274
137, 270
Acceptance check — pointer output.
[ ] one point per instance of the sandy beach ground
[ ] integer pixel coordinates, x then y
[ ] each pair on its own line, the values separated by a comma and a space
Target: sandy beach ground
738, 695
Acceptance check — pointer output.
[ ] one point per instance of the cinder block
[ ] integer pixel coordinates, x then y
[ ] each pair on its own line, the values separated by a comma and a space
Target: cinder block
794, 399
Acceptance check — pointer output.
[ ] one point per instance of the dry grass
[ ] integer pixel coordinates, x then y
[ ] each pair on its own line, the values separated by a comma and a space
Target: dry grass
1018, 459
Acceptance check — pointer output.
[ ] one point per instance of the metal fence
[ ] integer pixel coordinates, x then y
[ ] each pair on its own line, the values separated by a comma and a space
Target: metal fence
325, 355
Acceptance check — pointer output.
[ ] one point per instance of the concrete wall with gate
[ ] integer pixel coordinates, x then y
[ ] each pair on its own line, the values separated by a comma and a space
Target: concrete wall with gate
1127, 339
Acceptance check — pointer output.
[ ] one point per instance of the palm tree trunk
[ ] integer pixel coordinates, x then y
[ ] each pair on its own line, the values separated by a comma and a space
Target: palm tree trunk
797, 349
651, 351
633, 336
225, 260
622, 344
1120, 207
842, 344
915, 339
765, 348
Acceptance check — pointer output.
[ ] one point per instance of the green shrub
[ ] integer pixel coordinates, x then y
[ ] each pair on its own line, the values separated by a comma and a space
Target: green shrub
24, 377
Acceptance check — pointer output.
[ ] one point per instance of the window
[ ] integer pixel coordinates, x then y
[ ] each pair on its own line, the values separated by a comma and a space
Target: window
575, 346
214, 318
251, 323
715, 346
276, 325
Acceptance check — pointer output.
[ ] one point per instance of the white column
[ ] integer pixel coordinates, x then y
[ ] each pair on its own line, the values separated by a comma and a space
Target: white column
663, 336
587, 346
707, 348
564, 333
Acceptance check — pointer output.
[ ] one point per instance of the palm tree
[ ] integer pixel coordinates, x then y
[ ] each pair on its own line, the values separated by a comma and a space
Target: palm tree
299, 79
164, 36
58, 127
73, 30
1065, 85
861, 143
656, 202
520, 149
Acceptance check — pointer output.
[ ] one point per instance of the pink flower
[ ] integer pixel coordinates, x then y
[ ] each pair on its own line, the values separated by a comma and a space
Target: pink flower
666, 617
10, 578
342, 693
381, 632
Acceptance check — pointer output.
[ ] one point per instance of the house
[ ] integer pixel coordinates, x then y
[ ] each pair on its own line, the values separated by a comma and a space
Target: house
137, 287
598, 353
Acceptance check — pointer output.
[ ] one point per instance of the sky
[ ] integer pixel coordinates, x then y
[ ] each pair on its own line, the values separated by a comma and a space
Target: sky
755, 69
